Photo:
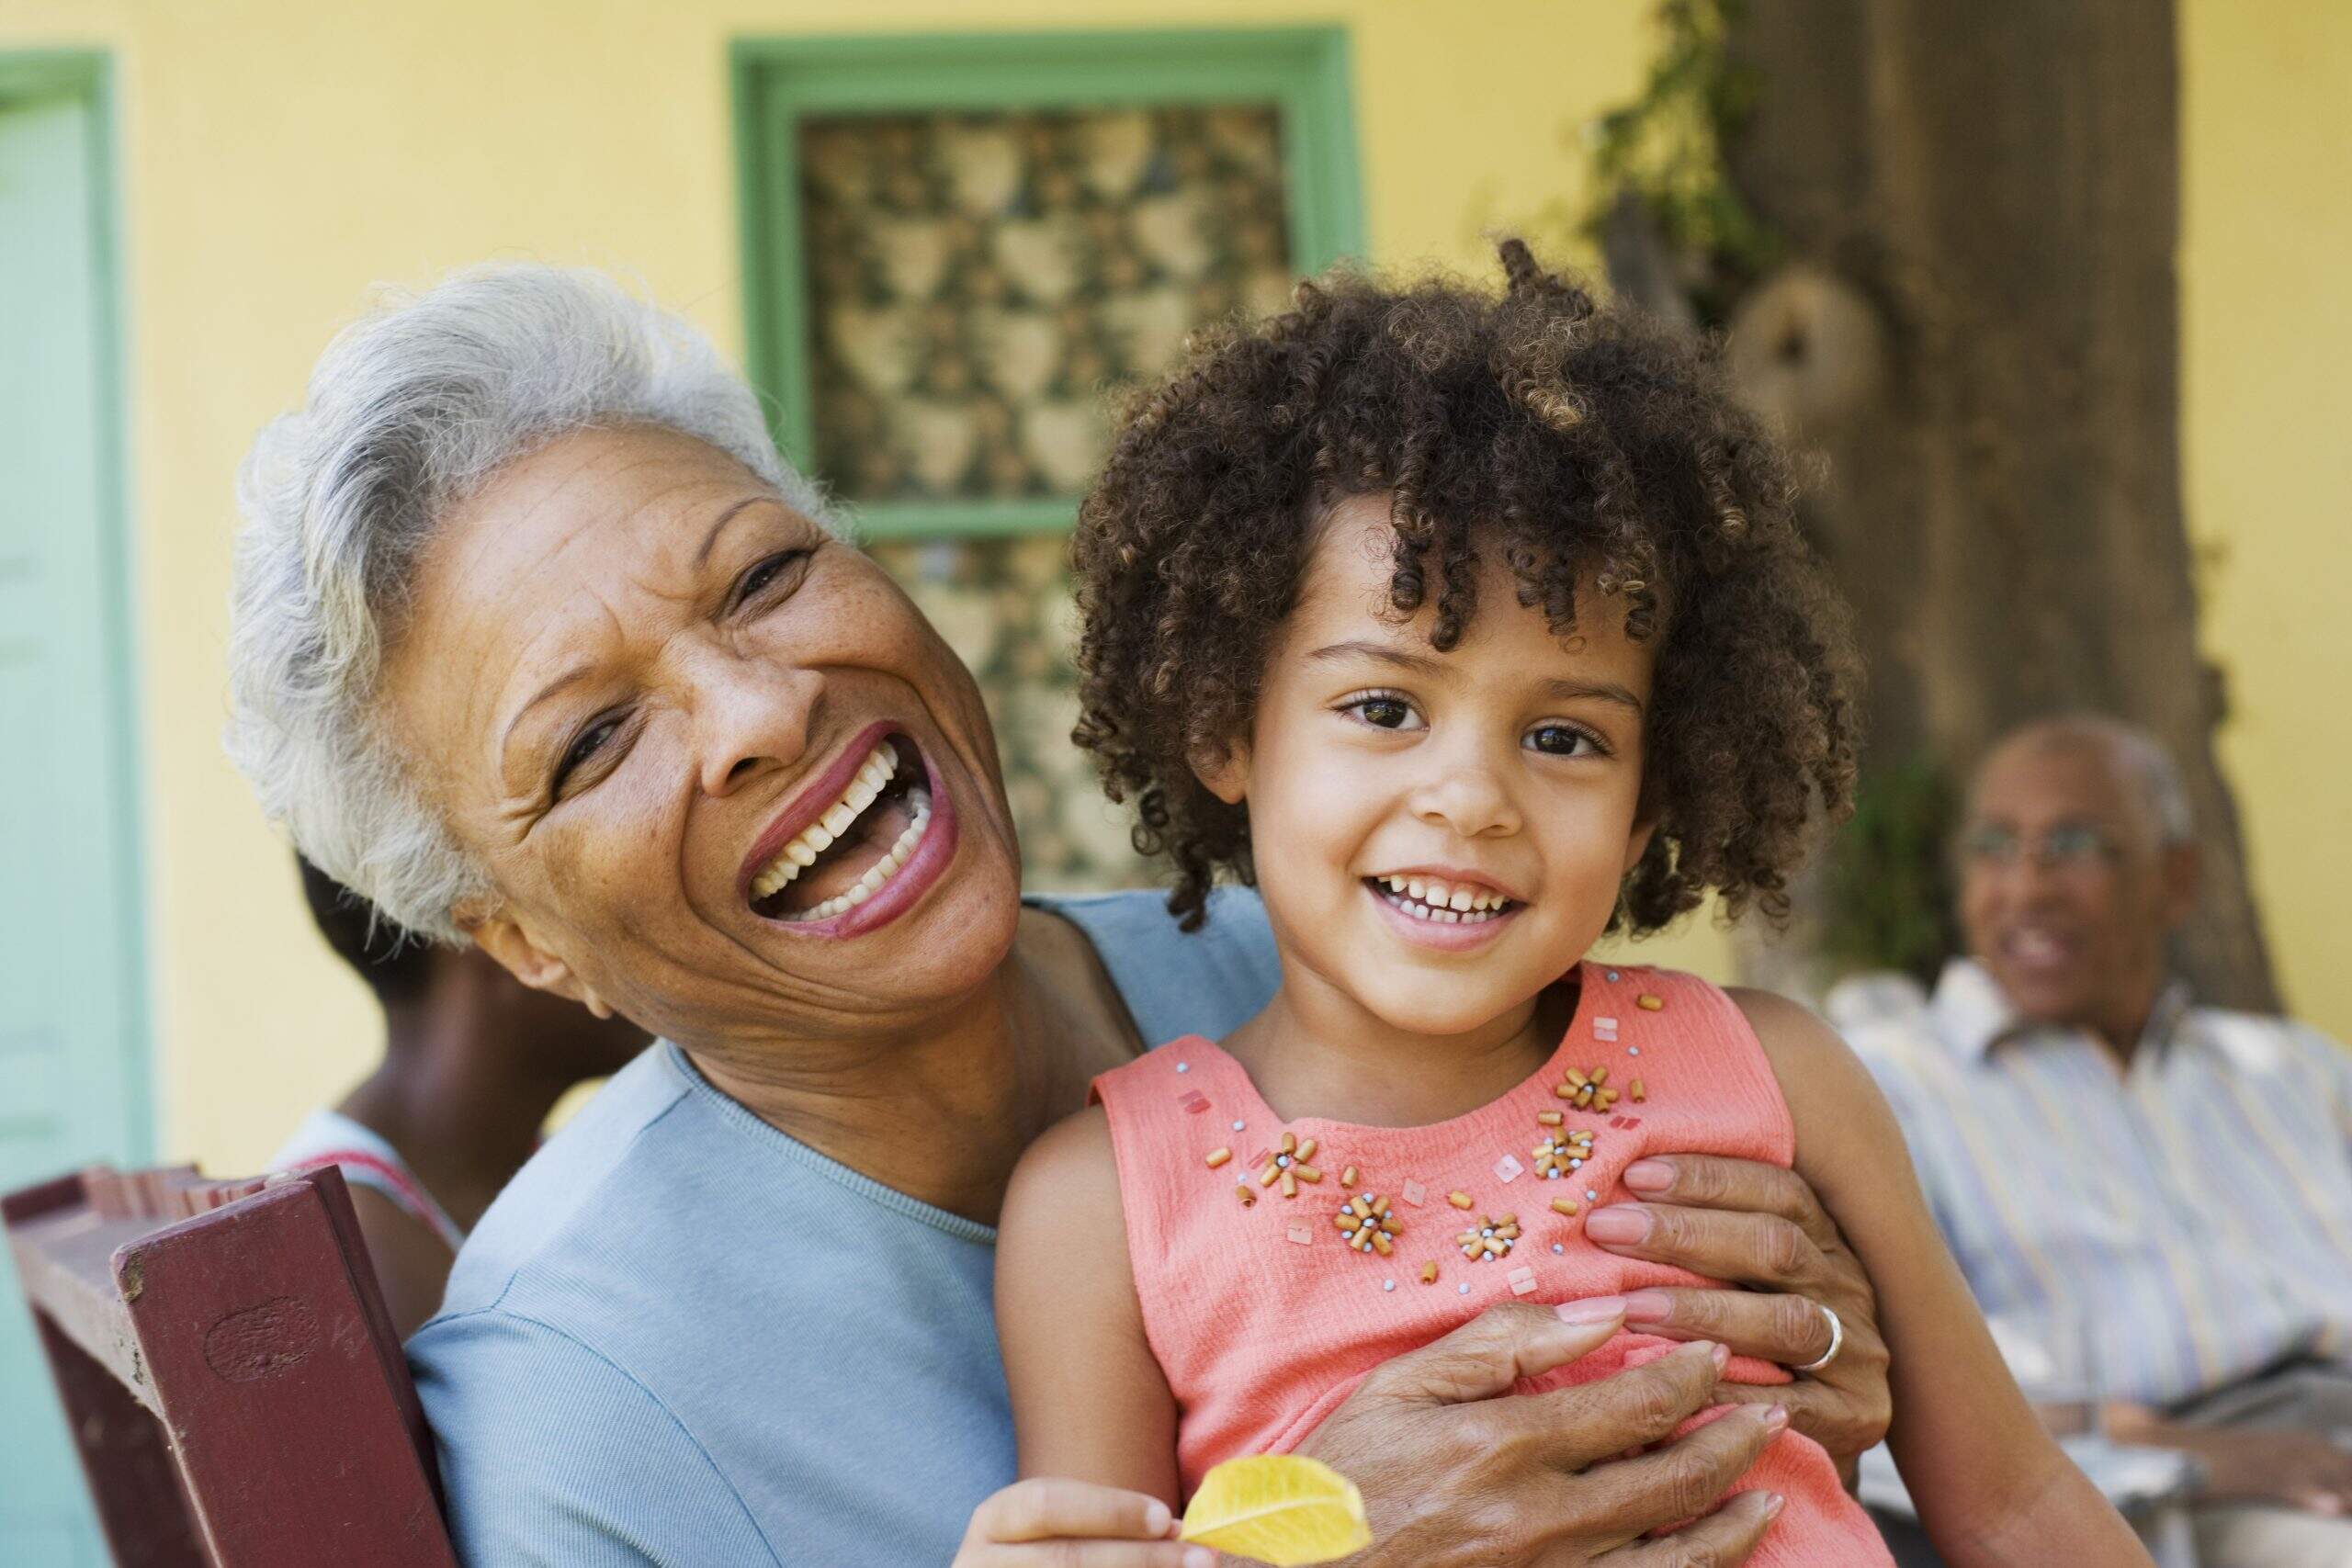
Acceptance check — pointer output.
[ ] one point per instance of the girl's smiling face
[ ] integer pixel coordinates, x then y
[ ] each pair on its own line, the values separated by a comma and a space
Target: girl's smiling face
1438, 836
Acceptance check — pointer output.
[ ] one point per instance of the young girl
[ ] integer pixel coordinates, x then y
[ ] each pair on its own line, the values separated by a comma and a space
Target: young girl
1468, 629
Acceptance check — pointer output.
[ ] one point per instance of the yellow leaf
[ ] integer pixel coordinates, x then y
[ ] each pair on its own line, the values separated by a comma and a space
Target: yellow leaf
1278, 1508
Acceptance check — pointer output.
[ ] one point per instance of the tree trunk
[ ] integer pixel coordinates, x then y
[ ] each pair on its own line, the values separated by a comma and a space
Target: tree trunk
1978, 331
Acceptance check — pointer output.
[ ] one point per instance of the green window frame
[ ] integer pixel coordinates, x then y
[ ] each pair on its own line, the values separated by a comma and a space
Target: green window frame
777, 83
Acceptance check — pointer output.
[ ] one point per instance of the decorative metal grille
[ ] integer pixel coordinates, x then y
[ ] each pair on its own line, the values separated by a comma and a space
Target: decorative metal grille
1004, 606
982, 284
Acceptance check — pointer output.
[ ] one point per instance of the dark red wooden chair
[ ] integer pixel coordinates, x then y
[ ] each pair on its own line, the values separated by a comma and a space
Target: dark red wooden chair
228, 1369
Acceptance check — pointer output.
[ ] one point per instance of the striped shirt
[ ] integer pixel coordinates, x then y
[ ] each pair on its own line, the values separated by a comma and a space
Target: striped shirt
2189, 1217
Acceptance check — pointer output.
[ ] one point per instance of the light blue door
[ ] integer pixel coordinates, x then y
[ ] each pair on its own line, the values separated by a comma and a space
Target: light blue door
73, 1033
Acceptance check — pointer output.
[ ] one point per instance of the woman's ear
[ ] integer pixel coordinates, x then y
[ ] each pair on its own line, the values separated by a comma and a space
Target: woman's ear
1225, 773
506, 942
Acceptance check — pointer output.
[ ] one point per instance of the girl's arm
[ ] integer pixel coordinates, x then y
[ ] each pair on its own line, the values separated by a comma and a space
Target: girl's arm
1089, 1399
1993, 1488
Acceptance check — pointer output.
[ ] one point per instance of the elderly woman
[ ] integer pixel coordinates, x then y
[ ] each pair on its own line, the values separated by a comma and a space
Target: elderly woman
540, 646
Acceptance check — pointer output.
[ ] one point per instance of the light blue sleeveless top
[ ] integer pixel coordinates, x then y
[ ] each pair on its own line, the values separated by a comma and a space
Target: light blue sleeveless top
680, 1337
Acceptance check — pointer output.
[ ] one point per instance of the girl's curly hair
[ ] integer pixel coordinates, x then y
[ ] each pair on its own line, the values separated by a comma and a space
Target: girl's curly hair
1585, 443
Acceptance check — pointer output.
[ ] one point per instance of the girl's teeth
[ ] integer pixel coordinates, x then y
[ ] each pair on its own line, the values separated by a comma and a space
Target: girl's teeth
1440, 903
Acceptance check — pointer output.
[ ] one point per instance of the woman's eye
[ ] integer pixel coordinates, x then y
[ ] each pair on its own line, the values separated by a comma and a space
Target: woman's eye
1560, 740
1383, 712
584, 747
763, 573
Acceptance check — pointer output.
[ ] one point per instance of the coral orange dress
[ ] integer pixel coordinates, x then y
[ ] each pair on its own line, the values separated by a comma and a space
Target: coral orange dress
1277, 1262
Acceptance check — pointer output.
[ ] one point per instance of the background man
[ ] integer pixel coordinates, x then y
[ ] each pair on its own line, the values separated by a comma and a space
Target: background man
2158, 1193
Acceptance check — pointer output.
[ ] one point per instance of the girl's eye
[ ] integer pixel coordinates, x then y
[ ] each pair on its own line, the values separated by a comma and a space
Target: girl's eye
584, 748
1561, 741
763, 573
1382, 710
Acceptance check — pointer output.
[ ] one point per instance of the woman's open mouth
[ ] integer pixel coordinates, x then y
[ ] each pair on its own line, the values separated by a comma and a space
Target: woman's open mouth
856, 846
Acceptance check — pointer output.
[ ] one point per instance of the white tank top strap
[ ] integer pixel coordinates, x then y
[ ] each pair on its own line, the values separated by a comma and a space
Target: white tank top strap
329, 1138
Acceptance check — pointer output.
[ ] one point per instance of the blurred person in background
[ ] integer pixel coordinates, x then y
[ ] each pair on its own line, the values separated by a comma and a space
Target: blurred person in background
473, 1062
2156, 1193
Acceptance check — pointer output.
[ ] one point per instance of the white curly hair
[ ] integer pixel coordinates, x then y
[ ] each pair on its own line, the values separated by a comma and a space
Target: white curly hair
409, 412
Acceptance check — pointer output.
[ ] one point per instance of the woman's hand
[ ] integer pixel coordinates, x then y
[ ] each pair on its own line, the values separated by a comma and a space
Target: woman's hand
1071, 1523
1759, 1227
1456, 1470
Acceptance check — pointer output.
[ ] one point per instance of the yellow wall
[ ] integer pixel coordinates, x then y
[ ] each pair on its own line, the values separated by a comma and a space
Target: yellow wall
2267, 448
280, 156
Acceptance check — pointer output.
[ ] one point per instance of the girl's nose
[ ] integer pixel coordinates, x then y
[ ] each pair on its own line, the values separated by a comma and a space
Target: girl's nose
1468, 799
751, 716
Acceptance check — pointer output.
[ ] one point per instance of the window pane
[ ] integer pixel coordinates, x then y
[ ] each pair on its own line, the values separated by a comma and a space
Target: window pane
1004, 606
983, 283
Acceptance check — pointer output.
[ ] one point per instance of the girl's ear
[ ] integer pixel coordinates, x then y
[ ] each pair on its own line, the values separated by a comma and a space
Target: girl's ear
1637, 842
506, 940
1224, 773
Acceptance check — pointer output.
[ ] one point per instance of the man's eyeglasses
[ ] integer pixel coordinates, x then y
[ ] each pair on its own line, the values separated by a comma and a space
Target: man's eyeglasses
2069, 846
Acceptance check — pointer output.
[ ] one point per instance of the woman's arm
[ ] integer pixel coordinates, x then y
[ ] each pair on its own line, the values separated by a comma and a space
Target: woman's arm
1089, 1399
1993, 1488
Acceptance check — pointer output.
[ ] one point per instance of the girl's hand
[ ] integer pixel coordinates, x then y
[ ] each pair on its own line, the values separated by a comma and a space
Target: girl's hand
1457, 1471
1759, 1227
1071, 1523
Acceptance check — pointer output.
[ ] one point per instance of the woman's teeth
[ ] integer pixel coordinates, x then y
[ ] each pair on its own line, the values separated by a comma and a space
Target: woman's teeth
881, 870
1432, 899
872, 777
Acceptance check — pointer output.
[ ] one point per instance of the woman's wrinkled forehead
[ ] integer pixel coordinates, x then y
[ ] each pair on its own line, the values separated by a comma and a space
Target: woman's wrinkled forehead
598, 503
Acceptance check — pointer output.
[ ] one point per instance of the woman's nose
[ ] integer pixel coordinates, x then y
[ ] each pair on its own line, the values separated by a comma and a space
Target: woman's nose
1468, 799
753, 717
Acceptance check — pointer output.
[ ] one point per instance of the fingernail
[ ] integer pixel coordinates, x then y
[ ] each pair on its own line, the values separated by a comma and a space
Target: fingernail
1721, 1354
1199, 1557
1622, 1224
1156, 1518
1776, 1418
1697, 1346
1649, 1306
1649, 1176
1771, 1511
1592, 1309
